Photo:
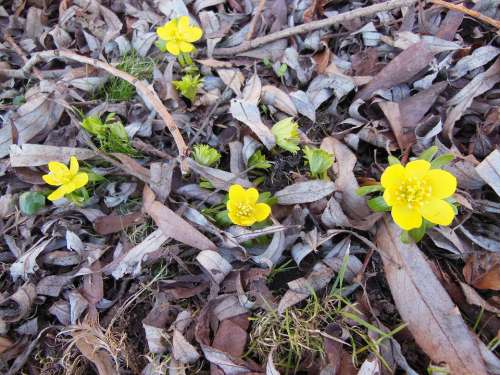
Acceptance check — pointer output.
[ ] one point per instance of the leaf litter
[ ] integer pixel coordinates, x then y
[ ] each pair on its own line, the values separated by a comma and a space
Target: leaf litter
148, 275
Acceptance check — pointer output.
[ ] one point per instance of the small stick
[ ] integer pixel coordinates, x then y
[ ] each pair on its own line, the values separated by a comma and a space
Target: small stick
9, 39
314, 25
140, 86
255, 18
470, 12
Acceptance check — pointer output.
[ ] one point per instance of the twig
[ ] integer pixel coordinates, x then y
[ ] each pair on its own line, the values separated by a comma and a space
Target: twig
314, 25
9, 39
470, 12
255, 18
140, 86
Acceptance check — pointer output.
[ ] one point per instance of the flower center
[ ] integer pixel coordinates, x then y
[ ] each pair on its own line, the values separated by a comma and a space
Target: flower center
414, 192
244, 209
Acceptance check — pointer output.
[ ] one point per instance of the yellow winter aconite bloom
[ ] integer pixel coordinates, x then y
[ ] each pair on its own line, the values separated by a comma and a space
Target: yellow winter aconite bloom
68, 179
417, 191
179, 35
242, 206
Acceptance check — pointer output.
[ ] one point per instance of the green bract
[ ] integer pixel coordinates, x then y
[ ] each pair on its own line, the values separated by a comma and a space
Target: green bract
205, 155
188, 85
286, 134
319, 161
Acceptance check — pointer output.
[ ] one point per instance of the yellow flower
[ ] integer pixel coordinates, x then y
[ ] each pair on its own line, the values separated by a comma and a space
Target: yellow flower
179, 35
417, 191
68, 179
242, 206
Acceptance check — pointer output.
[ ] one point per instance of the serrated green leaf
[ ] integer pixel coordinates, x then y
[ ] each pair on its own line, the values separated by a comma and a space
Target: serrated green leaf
30, 202
378, 204
94, 126
442, 160
266, 197
393, 160
429, 153
319, 161
206, 155
258, 160
364, 190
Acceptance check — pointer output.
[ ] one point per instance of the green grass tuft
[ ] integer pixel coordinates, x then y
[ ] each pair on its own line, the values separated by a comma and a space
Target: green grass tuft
118, 90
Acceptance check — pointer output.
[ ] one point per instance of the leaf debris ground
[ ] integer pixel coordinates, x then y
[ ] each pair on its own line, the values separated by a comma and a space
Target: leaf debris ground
148, 277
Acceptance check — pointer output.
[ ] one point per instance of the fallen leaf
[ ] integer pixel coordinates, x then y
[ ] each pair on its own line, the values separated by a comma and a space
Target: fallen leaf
489, 170
304, 192
474, 298
218, 178
18, 305
214, 264
424, 305
27, 264
277, 98
482, 270
345, 160
115, 223
401, 69
33, 155
248, 113
172, 225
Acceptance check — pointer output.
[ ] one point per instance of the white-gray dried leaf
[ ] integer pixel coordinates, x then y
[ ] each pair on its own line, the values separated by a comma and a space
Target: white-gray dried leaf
305, 192
249, 114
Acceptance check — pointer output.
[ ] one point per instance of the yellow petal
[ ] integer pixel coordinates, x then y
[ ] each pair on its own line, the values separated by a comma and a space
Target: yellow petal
57, 194
252, 195
443, 183
80, 180
73, 166
406, 217
52, 180
239, 220
167, 31
390, 196
59, 169
438, 211
183, 25
237, 193
392, 176
193, 34
173, 47
185, 47
417, 168
262, 211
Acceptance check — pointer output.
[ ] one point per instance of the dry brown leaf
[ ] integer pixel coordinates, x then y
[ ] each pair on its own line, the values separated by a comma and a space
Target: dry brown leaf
474, 298
424, 305
172, 225
482, 270
18, 305
214, 264
271, 95
304, 192
401, 69
248, 113
218, 178
489, 170
5, 344
115, 223
33, 155
345, 160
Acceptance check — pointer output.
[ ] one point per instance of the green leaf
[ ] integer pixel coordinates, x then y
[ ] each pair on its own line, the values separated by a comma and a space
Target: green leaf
393, 160
258, 160
378, 204
266, 197
319, 161
286, 134
405, 237
418, 233
206, 185
364, 190
94, 126
30, 202
282, 70
442, 160
429, 153
222, 219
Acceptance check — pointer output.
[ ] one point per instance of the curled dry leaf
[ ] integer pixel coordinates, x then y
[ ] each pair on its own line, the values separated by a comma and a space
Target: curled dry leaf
489, 170
27, 264
115, 223
424, 305
18, 305
482, 270
474, 298
214, 264
182, 350
275, 97
248, 113
345, 160
305, 192
172, 225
